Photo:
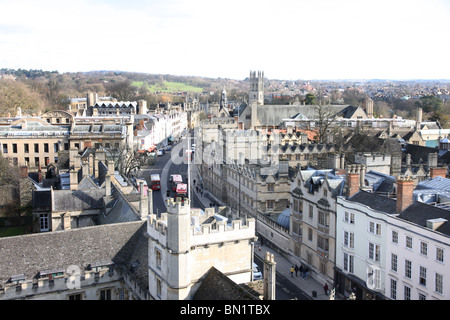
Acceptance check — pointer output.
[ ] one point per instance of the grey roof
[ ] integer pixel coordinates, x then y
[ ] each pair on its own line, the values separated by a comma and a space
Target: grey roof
381, 183
120, 211
436, 183
275, 114
419, 213
217, 286
375, 202
30, 254
347, 112
74, 200
34, 127
42, 199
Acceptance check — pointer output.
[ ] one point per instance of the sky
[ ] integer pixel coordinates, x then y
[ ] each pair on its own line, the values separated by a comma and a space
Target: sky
287, 39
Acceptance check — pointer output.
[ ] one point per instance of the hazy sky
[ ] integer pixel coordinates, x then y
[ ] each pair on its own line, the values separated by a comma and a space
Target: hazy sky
287, 39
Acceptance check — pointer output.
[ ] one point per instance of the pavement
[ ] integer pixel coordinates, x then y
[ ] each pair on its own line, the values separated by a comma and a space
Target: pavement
283, 265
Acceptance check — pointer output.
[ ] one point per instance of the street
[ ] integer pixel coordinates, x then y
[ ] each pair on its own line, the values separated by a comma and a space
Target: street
172, 162
285, 289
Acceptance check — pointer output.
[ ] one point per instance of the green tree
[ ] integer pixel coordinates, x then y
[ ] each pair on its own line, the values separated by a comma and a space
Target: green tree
310, 99
429, 103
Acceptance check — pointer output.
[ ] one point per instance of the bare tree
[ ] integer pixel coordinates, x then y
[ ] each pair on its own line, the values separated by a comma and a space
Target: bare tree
126, 158
123, 91
325, 122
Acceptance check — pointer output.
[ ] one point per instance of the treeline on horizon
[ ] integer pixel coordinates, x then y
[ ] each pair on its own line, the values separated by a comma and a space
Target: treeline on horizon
39, 91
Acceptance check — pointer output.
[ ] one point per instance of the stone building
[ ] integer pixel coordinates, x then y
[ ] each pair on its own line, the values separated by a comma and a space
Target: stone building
92, 263
313, 220
89, 193
33, 142
185, 243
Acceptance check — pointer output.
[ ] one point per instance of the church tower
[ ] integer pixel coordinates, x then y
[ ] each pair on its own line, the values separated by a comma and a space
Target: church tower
223, 99
256, 93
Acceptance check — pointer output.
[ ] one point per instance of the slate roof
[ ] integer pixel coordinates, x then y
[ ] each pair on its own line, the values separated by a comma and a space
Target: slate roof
375, 202
217, 286
419, 213
419, 154
30, 254
74, 200
274, 114
381, 183
120, 211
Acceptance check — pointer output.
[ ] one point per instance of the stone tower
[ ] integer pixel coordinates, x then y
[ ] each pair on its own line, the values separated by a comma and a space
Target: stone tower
256, 93
185, 243
223, 99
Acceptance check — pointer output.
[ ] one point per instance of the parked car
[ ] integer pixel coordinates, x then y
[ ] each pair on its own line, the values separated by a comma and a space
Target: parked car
159, 153
168, 148
257, 274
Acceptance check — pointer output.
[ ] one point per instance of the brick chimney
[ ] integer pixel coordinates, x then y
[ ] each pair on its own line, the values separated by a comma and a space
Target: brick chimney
438, 172
405, 188
352, 180
39, 174
23, 171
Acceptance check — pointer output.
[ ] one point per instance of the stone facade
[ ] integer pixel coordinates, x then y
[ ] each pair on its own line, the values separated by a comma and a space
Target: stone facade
184, 243
313, 220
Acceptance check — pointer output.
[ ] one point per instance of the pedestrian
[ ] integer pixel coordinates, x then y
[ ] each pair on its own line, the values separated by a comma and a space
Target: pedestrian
302, 272
325, 288
296, 270
306, 272
292, 271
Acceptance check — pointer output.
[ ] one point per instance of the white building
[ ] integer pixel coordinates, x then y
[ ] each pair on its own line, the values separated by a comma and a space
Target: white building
417, 254
392, 248
361, 224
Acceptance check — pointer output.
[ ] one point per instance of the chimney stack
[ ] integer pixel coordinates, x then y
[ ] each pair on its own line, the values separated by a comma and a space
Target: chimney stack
352, 181
39, 174
85, 168
143, 202
23, 171
405, 188
269, 277
419, 119
107, 185
150, 200
438, 172
342, 161
432, 160
73, 179
362, 176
